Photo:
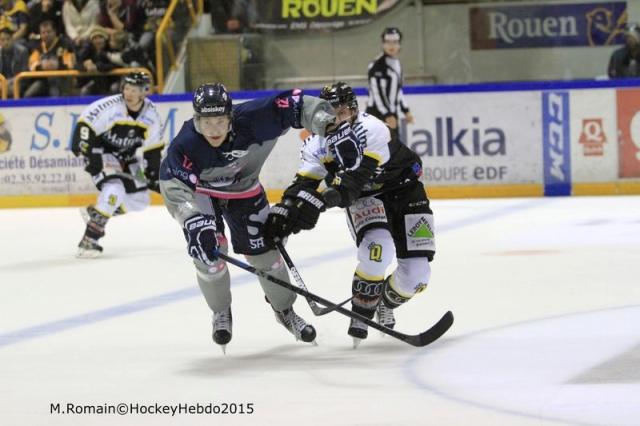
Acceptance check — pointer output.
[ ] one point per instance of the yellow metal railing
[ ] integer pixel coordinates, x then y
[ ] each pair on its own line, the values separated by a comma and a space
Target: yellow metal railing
70, 74
162, 36
4, 87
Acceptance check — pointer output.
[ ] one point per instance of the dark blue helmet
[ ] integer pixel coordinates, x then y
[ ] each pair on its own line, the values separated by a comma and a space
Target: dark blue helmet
339, 94
391, 34
211, 100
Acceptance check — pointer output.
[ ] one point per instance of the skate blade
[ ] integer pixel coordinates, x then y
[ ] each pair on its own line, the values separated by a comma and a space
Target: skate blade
87, 254
356, 342
224, 349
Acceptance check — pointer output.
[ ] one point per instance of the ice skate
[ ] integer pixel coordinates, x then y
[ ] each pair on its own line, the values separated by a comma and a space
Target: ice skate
358, 330
385, 317
296, 325
88, 248
222, 323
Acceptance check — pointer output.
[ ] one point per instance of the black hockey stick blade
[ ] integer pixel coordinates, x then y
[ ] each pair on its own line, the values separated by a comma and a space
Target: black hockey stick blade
317, 310
423, 339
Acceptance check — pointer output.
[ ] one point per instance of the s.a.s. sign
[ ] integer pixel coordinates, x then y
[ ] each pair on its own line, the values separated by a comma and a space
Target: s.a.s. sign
547, 25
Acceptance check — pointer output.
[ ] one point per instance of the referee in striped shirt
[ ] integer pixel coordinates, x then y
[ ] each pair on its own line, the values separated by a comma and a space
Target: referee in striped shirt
385, 83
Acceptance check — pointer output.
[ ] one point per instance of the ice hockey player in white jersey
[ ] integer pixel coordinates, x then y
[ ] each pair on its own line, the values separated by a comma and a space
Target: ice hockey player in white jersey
110, 134
377, 180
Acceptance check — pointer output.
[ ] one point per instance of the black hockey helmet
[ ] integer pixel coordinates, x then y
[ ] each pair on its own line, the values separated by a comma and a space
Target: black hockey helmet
339, 94
211, 100
391, 34
139, 79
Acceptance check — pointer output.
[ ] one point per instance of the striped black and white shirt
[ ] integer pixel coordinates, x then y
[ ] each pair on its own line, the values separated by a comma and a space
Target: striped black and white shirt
385, 87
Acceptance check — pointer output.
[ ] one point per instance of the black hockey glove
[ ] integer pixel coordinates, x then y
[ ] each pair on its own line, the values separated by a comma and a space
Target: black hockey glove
300, 209
200, 232
278, 225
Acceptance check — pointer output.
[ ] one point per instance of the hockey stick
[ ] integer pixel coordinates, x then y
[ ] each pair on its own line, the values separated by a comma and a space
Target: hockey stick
317, 310
423, 339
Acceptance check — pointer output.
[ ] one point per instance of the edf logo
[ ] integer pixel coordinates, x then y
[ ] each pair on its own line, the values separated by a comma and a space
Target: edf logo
555, 127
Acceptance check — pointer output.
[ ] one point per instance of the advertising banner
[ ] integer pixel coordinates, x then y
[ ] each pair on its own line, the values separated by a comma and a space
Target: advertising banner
547, 25
628, 101
477, 138
304, 15
556, 143
594, 150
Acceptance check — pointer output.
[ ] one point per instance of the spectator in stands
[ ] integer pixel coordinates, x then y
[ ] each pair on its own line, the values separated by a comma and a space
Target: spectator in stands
44, 10
14, 57
79, 16
625, 61
152, 12
95, 55
50, 53
232, 16
15, 15
121, 15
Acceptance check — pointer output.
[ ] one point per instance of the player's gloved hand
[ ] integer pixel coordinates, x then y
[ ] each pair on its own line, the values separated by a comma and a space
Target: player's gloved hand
154, 185
278, 225
309, 204
200, 233
98, 179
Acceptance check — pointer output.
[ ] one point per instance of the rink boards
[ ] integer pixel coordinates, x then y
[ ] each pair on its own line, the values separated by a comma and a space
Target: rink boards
517, 139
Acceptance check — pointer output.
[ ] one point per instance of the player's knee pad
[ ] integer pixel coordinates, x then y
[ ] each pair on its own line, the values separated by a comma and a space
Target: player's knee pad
269, 261
211, 273
375, 252
410, 277
111, 196
366, 294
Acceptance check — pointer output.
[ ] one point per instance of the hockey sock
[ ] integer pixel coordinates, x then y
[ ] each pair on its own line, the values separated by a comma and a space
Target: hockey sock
366, 294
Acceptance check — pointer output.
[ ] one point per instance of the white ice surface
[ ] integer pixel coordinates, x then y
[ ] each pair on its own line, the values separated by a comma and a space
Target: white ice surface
546, 295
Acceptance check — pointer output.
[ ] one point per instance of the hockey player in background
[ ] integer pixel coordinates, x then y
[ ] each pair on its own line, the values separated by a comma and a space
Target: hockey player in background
386, 98
377, 180
211, 173
110, 133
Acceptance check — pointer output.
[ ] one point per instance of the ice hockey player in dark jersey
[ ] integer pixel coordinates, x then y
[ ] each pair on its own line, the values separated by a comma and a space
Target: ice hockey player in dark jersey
110, 134
377, 180
210, 176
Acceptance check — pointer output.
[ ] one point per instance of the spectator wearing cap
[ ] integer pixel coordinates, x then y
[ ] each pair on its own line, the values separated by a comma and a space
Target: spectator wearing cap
95, 55
14, 58
625, 61
50, 53
385, 83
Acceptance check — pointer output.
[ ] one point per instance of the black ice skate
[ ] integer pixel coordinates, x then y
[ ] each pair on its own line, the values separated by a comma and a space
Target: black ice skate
296, 325
222, 323
384, 316
358, 330
88, 248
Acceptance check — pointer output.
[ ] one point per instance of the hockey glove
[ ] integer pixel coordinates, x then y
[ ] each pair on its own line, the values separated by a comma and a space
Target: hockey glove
278, 225
200, 232
308, 204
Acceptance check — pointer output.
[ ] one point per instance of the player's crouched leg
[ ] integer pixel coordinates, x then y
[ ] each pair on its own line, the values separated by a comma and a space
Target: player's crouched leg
410, 277
94, 230
366, 292
280, 298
